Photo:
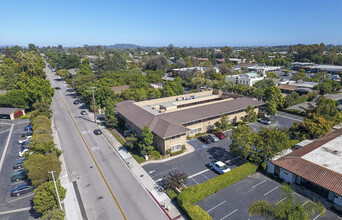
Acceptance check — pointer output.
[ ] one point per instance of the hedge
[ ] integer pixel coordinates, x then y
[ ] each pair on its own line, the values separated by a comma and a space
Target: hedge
196, 193
171, 193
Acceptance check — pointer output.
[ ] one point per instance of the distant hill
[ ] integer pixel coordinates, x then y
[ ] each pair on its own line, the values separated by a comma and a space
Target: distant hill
122, 46
1, 46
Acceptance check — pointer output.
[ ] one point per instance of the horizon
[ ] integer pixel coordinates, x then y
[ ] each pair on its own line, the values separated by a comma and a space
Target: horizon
158, 24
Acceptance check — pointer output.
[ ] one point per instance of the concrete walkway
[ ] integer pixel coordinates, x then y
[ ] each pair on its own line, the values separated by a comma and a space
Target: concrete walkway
71, 206
143, 177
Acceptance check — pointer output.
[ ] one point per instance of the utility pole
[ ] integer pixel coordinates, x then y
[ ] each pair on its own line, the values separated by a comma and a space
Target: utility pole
59, 200
93, 89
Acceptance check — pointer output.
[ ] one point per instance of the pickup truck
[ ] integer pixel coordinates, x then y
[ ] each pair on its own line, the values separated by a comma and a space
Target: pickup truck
219, 167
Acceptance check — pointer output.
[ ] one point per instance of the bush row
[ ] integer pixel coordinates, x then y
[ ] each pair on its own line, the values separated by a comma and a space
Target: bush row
189, 196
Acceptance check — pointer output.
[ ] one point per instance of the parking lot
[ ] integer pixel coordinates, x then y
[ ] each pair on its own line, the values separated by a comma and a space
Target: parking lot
232, 202
195, 164
12, 207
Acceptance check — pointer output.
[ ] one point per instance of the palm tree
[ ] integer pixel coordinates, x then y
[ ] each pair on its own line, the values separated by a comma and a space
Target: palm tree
289, 208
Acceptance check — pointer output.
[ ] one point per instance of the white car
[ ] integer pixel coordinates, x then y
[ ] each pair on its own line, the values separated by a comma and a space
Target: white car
21, 140
213, 138
219, 167
21, 153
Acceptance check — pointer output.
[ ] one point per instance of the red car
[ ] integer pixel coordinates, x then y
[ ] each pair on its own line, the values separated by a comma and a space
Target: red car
219, 135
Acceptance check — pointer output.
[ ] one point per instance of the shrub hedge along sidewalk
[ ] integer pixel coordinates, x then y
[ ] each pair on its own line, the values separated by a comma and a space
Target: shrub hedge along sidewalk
189, 196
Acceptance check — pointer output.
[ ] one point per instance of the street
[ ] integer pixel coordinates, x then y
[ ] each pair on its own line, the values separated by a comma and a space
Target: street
108, 189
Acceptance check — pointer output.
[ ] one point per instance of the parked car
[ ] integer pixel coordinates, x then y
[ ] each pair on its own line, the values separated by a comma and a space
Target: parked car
265, 121
219, 167
27, 133
83, 113
76, 102
28, 128
205, 139
213, 138
21, 189
97, 131
57, 87
25, 143
19, 175
18, 163
21, 153
219, 135
21, 140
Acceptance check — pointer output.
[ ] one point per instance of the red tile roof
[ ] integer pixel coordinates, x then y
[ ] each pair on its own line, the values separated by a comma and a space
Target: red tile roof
317, 174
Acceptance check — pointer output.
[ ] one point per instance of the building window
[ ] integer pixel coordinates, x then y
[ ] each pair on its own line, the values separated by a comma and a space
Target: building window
175, 137
176, 147
196, 130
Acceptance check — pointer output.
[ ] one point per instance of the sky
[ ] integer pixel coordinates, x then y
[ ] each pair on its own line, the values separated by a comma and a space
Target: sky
197, 23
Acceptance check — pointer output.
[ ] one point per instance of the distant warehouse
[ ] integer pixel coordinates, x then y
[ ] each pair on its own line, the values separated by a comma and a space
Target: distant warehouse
172, 119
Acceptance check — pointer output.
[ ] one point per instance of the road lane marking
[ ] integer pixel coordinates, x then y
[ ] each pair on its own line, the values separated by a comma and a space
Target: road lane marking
196, 174
5, 131
194, 180
271, 190
6, 147
316, 217
15, 210
305, 202
258, 184
96, 164
205, 176
22, 197
216, 206
164, 172
281, 200
229, 214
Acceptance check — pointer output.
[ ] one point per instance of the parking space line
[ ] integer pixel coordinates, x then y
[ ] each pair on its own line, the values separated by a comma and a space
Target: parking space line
164, 172
15, 210
17, 183
281, 200
205, 176
267, 179
305, 202
194, 180
23, 197
5, 131
229, 214
198, 173
6, 147
216, 206
316, 217
271, 190
258, 184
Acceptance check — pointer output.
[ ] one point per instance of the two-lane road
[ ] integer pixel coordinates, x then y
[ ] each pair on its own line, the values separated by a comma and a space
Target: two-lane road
107, 187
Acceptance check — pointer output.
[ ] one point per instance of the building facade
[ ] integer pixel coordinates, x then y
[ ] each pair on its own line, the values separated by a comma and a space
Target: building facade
248, 79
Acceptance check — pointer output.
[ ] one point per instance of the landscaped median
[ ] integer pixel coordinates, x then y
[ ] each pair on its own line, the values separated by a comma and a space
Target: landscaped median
189, 196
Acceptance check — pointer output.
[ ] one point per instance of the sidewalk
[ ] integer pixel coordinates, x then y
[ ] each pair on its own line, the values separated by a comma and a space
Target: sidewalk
71, 206
143, 177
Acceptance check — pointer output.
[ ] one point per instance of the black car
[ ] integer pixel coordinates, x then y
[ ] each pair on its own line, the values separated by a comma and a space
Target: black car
76, 102
18, 163
19, 175
21, 189
57, 87
205, 139
97, 131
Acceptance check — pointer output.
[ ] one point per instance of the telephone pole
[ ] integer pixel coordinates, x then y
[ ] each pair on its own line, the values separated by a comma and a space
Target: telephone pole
93, 89
54, 181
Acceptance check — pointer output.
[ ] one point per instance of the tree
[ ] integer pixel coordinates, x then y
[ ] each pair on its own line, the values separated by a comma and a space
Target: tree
273, 98
288, 209
272, 75
242, 140
222, 124
42, 108
227, 50
53, 214
45, 148
131, 142
158, 62
38, 166
112, 123
291, 99
250, 116
146, 141
174, 179
45, 197
298, 76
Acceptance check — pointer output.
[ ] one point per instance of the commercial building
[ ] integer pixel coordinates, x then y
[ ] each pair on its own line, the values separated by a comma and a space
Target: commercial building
248, 79
173, 119
263, 69
11, 113
317, 166
315, 68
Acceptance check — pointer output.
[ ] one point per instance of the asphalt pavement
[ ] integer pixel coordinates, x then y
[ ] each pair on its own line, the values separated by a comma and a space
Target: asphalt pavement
108, 189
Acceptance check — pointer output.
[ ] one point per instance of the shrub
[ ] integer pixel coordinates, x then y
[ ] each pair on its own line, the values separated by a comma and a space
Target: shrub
196, 193
155, 154
171, 193
174, 179
176, 153
183, 147
118, 138
92, 108
138, 158
24, 117
168, 151
263, 166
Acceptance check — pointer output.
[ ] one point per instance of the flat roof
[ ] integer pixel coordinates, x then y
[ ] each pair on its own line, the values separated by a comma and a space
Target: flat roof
8, 111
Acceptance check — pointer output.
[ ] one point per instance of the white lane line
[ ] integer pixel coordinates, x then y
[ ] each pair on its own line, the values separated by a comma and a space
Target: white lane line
216, 206
294, 119
271, 190
196, 174
15, 210
267, 179
17, 183
164, 172
316, 217
4, 131
194, 180
22, 197
305, 202
258, 184
229, 214
6, 147
281, 200
205, 176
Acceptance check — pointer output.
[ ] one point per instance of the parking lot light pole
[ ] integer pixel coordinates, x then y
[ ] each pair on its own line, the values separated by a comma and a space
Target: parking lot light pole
93, 89
54, 181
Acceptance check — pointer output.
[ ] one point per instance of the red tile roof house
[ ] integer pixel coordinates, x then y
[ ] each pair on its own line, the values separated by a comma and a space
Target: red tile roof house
317, 166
